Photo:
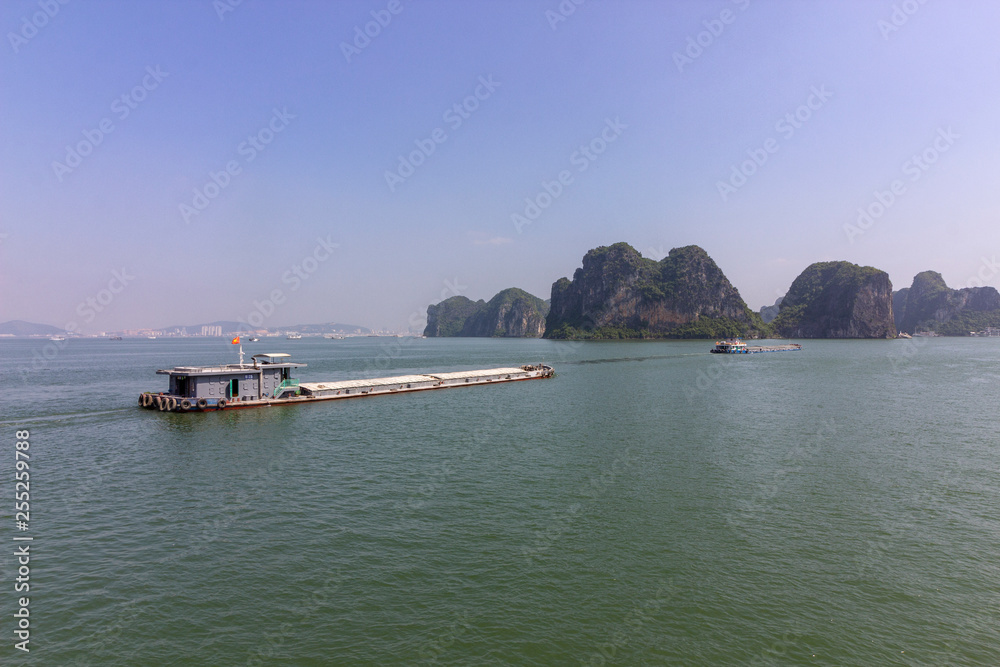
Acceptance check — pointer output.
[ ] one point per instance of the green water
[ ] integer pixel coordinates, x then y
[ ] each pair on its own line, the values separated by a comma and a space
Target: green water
651, 504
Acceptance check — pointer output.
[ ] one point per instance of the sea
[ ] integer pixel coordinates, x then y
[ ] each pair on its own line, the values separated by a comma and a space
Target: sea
651, 504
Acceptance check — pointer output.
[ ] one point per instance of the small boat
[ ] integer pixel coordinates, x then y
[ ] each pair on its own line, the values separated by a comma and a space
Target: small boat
730, 346
57, 337
252, 339
151, 337
115, 338
333, 336
293, 336
902, 334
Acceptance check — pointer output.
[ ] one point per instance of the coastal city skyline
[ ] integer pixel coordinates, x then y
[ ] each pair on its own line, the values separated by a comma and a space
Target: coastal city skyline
228, 161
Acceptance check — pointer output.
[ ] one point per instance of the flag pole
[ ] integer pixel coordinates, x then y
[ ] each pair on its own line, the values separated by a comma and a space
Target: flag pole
237, 341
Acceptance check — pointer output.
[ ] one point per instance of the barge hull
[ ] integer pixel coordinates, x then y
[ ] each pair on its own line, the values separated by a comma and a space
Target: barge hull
310, 392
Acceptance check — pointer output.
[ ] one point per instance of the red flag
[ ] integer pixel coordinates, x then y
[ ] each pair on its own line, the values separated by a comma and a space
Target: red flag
236, 341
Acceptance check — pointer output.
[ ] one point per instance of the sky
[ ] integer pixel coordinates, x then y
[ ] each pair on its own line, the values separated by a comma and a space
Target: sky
181, 162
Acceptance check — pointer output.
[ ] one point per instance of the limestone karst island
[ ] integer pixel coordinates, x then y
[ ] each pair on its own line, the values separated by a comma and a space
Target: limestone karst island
619, 294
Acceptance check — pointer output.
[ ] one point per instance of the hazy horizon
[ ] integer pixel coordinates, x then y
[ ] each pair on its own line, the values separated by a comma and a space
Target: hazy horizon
195, 161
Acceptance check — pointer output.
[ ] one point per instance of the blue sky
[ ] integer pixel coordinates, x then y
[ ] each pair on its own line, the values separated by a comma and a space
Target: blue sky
248, 158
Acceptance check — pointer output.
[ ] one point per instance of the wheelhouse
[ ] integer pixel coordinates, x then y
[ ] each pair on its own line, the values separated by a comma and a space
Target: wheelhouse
269, 376
730, 346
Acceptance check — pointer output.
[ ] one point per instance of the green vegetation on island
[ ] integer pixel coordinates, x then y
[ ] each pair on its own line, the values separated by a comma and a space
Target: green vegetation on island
619, 294
837, 300
930, 305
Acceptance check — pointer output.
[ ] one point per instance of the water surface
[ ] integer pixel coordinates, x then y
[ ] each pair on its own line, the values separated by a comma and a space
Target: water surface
651, 504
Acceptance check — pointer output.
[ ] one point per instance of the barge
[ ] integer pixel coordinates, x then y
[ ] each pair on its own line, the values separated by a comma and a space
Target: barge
736, 346
268, 381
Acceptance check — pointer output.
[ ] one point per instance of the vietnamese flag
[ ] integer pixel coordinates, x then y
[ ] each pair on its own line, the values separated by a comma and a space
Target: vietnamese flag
236, 341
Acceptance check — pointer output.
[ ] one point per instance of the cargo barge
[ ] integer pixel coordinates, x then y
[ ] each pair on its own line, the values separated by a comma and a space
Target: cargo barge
268, 381
736, 346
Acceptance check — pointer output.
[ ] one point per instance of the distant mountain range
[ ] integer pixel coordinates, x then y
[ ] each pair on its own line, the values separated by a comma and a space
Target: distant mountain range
618, 293
22, 328
228, 327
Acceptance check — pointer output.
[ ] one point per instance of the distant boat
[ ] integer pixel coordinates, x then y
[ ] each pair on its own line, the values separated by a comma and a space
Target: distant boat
737, 346
252, 339
293, 336
57, 337
903, 334
333, 336
115, 338
151, 337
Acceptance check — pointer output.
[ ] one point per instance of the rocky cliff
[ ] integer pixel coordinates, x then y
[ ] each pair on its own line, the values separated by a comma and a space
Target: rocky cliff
512, 313
768, 313
899, 306
932, 306
837, 300
448, 317
620, 294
